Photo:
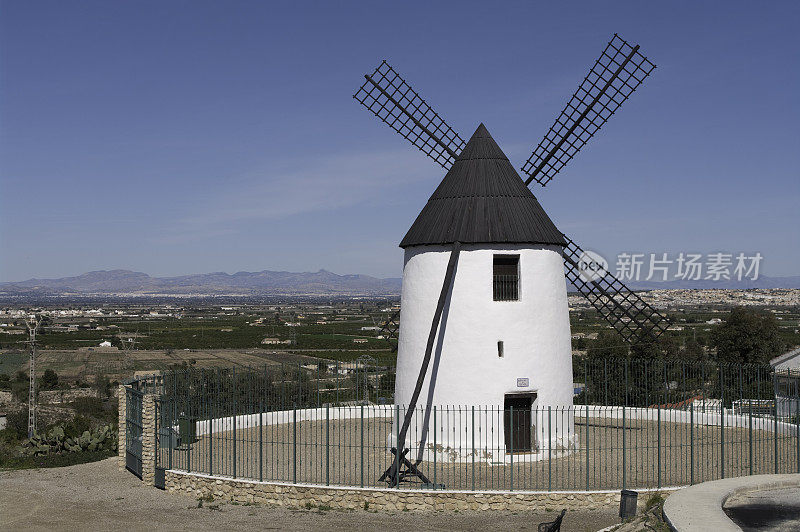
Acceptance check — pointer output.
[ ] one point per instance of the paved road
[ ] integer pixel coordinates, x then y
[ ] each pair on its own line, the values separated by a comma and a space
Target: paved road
773, 510
99, 497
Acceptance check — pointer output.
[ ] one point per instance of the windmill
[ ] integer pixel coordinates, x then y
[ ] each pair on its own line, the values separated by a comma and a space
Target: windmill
484, 263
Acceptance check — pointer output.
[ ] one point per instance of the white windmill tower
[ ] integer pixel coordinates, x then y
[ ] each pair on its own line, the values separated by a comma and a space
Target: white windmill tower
484, 316
504, 336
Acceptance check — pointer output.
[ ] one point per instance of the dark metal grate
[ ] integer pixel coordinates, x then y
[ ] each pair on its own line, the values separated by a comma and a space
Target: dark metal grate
389, 97
615, 75
505, 287
628, 313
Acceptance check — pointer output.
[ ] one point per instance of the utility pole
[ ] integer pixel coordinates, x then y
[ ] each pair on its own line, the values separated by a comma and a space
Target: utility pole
32, 322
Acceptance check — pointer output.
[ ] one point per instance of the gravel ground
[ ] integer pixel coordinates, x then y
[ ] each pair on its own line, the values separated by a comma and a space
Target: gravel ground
98, 496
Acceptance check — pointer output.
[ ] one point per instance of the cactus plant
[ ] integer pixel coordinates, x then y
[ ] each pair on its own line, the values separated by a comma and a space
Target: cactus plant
54, 441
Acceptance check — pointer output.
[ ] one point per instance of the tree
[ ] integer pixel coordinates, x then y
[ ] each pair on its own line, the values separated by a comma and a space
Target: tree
747, 336
609, 344
692, 351
49, 380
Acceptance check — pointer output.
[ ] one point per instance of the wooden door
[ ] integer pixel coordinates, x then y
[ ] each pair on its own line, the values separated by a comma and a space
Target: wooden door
517, 421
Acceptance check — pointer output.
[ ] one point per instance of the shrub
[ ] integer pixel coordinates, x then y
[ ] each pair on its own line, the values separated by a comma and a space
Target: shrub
20, 391
16, 426
49, 380
655, 499
76, 426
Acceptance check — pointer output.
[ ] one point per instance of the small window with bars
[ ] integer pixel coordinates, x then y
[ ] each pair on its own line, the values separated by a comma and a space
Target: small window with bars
505, 277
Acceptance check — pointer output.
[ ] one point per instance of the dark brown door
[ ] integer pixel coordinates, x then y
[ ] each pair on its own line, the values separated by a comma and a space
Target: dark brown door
517, 421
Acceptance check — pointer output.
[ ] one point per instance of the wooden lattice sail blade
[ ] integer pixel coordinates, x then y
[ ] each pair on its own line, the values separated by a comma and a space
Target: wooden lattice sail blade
389, 97
616, 74
635, 319
389, 330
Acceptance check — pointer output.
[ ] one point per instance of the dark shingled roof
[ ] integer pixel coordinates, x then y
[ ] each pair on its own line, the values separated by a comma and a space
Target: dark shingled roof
482, 199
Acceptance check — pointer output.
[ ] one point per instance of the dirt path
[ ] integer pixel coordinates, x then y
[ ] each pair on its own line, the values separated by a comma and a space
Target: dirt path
99, 497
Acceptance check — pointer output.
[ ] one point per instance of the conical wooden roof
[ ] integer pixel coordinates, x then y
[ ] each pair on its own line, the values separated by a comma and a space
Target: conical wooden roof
482, 199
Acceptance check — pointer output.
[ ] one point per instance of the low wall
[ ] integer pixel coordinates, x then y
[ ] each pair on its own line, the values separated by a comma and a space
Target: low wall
346, 498
65, 396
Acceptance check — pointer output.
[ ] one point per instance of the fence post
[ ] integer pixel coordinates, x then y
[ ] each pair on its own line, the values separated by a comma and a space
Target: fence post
149, 439
362, 446
327, 445
473, 447
294, 444
624, 463
775, 410
587, 446
397, 448
122, 407
750, 431
261, 443
722, 420
797, 424
171, 432
691, 443
434, 447
722, 437
549, 449
211, 441
511, 442
658, 447
235, 391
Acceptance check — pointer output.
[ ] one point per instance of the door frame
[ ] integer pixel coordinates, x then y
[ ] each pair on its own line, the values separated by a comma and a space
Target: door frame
532, 395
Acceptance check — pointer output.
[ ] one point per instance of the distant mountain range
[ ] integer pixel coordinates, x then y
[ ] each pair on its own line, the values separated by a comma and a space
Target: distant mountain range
126, 282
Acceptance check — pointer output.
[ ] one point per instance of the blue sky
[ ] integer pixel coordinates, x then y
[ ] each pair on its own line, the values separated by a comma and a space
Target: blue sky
186, 137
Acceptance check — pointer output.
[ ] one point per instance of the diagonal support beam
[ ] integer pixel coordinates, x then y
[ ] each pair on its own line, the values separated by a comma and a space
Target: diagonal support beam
437, 318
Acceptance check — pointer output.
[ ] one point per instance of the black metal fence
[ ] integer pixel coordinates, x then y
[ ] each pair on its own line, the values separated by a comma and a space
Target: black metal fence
634, 423
133, 430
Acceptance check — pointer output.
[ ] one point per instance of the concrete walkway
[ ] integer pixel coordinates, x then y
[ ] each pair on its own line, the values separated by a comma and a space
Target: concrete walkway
698, 508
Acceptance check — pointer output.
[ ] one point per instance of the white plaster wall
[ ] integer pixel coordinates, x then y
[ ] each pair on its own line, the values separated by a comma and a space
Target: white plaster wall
465, 368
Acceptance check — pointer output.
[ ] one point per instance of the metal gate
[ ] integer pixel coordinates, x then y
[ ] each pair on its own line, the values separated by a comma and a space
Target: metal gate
133, 431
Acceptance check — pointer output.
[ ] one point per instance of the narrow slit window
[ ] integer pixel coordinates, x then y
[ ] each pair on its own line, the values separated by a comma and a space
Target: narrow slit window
505, 278
500, 352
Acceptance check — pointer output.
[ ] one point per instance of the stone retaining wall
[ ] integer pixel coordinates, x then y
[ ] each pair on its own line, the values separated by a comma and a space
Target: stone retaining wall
121, 406
298, 495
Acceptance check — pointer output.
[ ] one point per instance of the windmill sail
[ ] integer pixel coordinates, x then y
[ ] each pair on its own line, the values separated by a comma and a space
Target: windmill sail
619, 71
632, 317
389, 97
389, 330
